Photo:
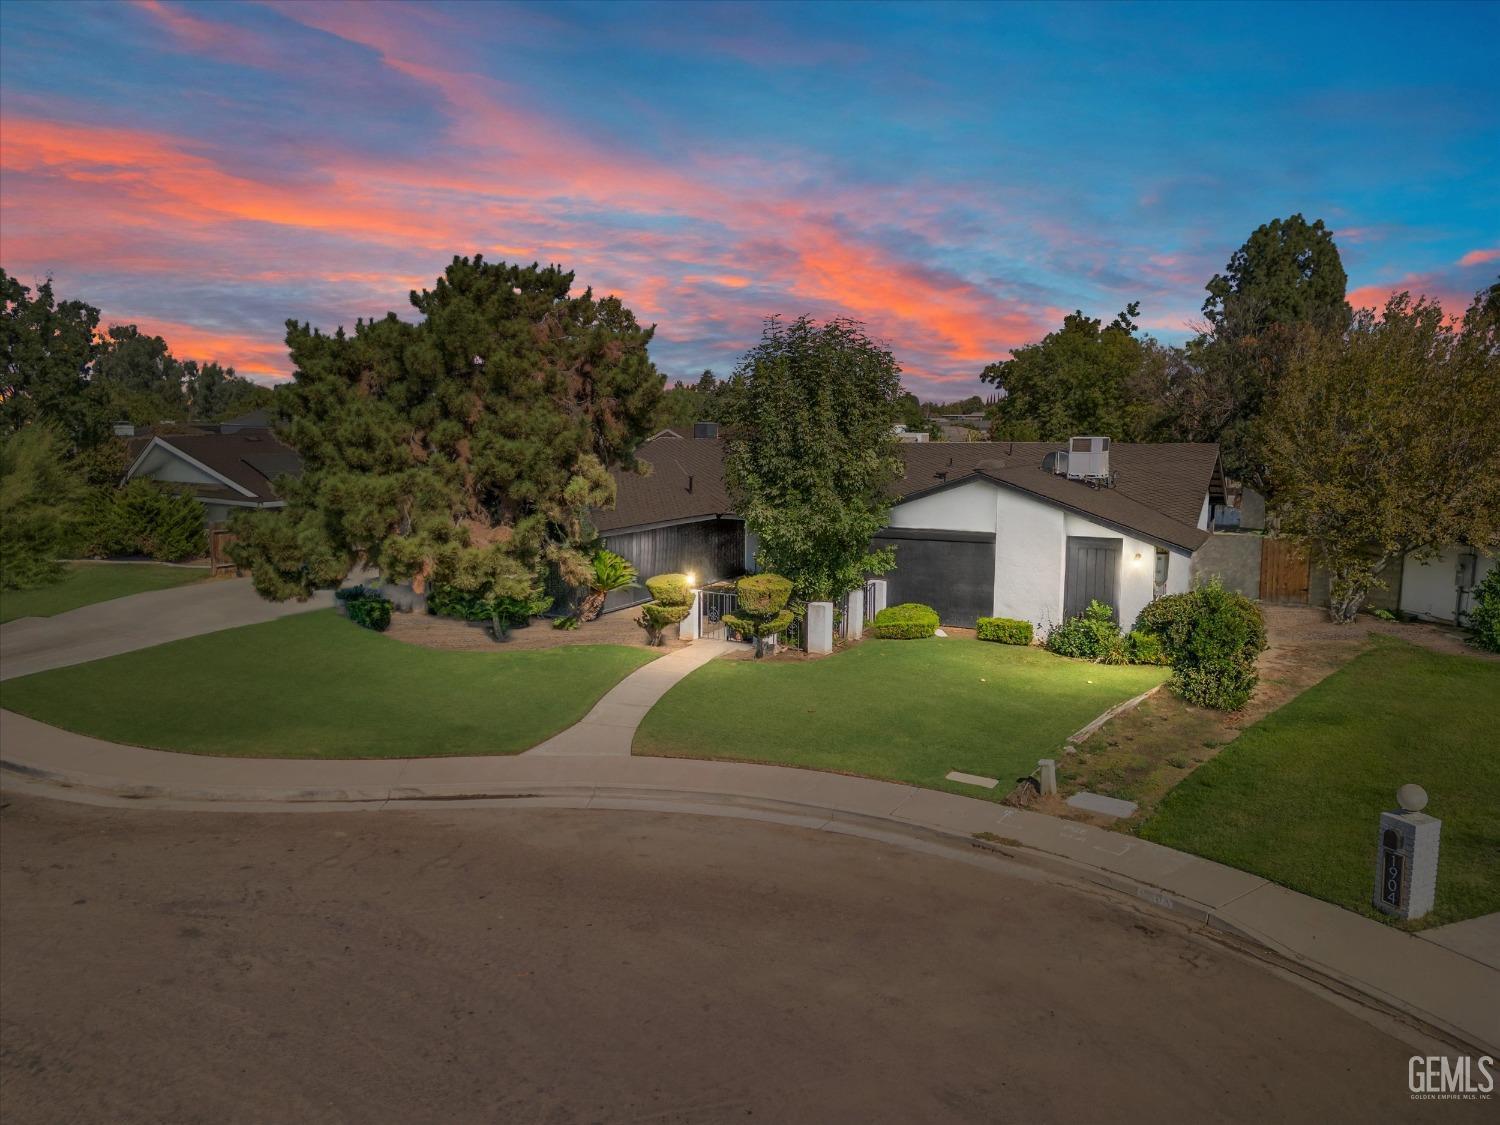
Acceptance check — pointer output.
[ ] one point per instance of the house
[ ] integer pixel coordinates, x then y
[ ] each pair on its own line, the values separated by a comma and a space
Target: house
1032, 530
902, 434
229, 466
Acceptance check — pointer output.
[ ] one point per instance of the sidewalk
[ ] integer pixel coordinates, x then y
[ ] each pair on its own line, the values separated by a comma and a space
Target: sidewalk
1422, 979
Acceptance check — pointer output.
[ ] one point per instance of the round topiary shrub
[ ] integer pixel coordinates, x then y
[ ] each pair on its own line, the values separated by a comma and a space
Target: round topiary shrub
760, 609
674, 601
906, 622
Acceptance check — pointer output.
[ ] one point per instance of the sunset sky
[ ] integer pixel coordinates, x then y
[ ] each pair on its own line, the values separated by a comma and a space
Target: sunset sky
956, 176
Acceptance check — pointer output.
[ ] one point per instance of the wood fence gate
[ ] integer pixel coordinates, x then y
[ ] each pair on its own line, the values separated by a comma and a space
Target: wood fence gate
1284, 572
222, 566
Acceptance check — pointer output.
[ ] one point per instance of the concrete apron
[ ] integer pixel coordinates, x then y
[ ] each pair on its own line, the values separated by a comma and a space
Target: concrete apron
1402, 976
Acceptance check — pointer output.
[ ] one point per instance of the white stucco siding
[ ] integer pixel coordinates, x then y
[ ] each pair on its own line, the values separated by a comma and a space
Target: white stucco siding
1029, 552
1179, 573
1203, 514
1430, 589
964, 507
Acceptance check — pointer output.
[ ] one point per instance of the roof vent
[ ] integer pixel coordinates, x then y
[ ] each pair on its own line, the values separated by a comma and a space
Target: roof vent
705, 429
1088, 459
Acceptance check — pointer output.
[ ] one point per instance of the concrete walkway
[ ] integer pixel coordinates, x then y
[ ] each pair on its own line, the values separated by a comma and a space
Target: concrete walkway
1403, 974
609, 728
35, 644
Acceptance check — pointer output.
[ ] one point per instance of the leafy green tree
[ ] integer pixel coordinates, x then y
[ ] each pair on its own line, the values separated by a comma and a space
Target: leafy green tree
1287, 272
1287, 275
138, 376
1085, 378
37, 497
810, 454
682, 404
215, 393
46, 347
466, 449
1385, 440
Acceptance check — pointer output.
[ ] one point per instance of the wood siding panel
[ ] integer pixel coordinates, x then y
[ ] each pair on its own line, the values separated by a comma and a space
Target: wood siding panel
1284, 572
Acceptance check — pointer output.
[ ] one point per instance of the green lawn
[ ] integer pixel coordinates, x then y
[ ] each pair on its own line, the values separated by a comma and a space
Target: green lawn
903, 710
1297, 797
87, 583
317, 686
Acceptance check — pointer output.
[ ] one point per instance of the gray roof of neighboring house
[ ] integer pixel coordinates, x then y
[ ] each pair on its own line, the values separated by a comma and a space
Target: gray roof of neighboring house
252, 458
1158, 490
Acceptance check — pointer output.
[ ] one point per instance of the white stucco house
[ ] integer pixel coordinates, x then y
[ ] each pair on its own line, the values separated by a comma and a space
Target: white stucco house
1031, 530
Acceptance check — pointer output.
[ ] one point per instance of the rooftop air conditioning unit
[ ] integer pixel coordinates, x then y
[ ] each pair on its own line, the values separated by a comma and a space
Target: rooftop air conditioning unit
1088, 458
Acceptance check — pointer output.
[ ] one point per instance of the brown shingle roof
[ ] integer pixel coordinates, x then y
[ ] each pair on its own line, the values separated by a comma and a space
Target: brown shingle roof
1158, 491
252, 458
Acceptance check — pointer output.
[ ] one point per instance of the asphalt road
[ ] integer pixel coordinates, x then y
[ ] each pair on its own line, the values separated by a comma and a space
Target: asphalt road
561, 966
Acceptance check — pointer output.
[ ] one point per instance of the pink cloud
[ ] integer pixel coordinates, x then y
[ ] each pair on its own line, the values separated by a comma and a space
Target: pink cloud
1480, 257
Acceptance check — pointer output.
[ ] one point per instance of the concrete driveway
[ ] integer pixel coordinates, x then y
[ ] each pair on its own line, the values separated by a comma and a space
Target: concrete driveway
34, 644
554, 965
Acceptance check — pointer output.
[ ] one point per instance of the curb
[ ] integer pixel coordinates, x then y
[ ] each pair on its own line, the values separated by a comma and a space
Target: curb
1021, 858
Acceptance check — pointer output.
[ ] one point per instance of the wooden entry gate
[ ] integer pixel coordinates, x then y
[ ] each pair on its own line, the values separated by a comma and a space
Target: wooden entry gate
219, 540
1284, 572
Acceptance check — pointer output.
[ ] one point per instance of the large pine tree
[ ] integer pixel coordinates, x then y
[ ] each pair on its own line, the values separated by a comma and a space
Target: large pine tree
465, 449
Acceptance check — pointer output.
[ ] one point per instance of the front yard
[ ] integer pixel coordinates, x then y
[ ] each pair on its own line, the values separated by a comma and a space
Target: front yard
87, 583
1296, 797
317, 686
901, 710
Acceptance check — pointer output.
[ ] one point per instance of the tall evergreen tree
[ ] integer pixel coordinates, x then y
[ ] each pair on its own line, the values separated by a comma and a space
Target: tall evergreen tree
465, 449
811, 454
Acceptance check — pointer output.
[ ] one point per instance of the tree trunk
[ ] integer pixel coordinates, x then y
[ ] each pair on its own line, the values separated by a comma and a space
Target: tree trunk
592, 605
500, 624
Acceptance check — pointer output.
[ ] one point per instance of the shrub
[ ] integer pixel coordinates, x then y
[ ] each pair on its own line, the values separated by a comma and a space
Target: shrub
567, 623
1211, 637
674, 601
670, 589
465, 605
1484, 618
761, 610
906, 622
145, 517
1092, 635
368, 610
1006, 630
1145, 648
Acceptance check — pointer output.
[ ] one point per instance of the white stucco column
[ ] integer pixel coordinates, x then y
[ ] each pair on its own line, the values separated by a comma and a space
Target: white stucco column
687, 628
819, 627
854, 615
880, 603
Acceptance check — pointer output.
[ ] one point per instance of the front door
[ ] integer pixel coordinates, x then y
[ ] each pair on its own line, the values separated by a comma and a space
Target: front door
1093, 575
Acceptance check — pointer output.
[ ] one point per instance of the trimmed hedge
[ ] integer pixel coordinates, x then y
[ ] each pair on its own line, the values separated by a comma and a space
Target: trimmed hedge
1006, 630
1092, 635
670, 589
906, 622
762, 594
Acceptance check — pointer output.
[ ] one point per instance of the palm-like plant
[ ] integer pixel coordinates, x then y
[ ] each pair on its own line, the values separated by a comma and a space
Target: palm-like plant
611, 572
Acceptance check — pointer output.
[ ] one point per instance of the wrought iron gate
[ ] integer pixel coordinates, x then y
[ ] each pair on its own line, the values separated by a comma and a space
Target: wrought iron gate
712, 606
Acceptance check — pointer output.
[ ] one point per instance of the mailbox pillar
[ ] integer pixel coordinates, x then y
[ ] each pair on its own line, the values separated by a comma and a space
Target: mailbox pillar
1407, 857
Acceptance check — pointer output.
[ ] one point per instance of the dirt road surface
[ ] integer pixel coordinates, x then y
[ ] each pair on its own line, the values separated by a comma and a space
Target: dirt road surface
559, 966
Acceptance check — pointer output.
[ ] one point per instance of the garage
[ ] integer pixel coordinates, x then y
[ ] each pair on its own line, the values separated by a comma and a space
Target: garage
952, 571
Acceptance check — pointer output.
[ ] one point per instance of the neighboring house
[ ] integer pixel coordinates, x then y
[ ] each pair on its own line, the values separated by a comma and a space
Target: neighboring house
1442, 588
902, 434
979, 528
229, 466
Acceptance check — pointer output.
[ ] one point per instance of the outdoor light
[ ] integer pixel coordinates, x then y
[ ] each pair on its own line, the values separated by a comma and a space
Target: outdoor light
692, 579
1137, 556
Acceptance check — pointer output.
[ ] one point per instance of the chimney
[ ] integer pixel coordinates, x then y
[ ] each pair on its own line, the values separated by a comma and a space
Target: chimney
707, 430
124, 429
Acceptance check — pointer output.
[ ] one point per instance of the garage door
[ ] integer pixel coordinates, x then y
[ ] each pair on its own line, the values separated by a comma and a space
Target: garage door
952, 571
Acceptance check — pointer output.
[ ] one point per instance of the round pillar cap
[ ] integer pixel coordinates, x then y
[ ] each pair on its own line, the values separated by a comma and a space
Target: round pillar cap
1412, 798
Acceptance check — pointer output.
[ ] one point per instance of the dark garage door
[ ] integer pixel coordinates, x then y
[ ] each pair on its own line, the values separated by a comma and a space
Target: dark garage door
952, 571
1093, 567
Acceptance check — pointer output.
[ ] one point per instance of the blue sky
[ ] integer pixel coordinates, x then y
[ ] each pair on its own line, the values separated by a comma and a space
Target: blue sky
957, 176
